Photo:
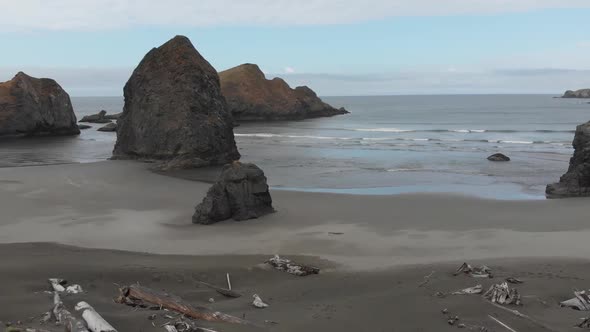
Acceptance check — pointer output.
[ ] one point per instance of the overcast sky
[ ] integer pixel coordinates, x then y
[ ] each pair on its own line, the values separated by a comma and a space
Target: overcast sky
337, 47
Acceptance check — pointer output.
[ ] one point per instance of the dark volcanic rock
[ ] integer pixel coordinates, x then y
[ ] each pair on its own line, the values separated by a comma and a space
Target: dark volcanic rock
240, 193
109, 127
174, 111
582, 93
100, 117
576, 182
498, 157
83, 126
35, 106
251, 96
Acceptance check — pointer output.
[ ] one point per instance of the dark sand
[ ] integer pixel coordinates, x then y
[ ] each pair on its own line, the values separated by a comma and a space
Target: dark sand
370, 275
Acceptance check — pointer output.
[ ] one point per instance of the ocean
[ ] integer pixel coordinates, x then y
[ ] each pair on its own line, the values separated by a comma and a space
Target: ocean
387, 145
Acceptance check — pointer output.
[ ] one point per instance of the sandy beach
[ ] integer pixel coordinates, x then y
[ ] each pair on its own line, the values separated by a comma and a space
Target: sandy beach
374, 251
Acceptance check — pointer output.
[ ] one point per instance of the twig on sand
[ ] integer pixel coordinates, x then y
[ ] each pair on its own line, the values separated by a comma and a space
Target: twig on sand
228, 282
502, 324
426, 279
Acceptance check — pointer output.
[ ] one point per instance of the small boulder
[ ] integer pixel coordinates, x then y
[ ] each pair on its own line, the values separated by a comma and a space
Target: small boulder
240, 193
100, 117
109, 127
498, 157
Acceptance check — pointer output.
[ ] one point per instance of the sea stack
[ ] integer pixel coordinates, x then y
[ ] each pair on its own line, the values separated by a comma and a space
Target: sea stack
174, 111
35, 106
240, 193
576, 182
582, 93
251, 97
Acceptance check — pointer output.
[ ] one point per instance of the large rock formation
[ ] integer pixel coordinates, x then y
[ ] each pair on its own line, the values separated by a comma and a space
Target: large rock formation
251, 96
240, 193
35, 106
174, 110
582, 93
576, 182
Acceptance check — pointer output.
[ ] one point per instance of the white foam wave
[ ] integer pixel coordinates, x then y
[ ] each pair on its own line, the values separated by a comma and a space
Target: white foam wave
384, 130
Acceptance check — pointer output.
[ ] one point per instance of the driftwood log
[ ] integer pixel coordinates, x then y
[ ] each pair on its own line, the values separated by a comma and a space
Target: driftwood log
223, 291
284, 264
63, 316
94, 321
135, 295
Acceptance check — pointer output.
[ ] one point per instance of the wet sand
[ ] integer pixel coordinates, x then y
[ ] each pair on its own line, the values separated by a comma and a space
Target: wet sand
370, 273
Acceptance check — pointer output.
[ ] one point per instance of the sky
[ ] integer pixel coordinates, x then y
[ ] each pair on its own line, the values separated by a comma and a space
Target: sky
337, 47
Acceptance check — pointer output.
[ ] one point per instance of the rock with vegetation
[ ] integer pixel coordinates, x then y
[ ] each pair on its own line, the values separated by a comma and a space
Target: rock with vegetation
498, 157
576, 182
174, 111
251, 96
240, 193
35, 106
582, 93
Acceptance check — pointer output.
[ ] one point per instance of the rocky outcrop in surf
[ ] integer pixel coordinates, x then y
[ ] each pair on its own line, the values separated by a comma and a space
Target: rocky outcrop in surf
582, 93
498, 157
110, 127
576, 182
250, 96
240, 193
35, 106
174, 111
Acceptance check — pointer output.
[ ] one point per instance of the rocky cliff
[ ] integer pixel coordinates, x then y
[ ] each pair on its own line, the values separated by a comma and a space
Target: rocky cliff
582, 93
251, 96
35, 106
174, 111
576, 182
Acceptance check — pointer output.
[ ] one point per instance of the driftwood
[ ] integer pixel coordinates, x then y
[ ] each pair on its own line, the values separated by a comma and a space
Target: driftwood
135, 295
502, 294
478, 289
502, 324
475, 272
513, 280
94, 321
184, 325
288, 266
63, 316
258, 303
220, 290
60, 286
585, 324
581, 301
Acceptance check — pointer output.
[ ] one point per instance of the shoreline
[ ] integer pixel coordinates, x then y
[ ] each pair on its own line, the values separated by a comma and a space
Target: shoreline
122, 205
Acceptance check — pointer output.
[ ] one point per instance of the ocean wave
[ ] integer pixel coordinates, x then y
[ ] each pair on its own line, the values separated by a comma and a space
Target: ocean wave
265, 135
460, 131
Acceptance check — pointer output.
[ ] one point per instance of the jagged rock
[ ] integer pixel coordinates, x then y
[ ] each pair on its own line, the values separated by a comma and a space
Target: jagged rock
109, 127
240, 193
250, 96
582, 93
576, 182
174, 110
83, 126
498, 157
100, 117
35, 106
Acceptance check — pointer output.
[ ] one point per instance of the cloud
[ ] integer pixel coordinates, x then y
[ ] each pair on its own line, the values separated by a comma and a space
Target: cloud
289, 70
112, 14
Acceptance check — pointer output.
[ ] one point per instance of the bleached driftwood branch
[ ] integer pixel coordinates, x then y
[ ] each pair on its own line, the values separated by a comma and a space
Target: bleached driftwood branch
63, 316
94, 321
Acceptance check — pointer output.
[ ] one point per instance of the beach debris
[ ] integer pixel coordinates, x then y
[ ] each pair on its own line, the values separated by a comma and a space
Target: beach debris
223, 291
185, 325
445, 311
475, 272
581, 301
502, 294
284, 264
502, 324
64, 317
60, 286
585, 324
513, 280
453, 320
211, 300
478, 289
136, 295
228, 281
152, 317
258, 303
93, 319
426, 280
